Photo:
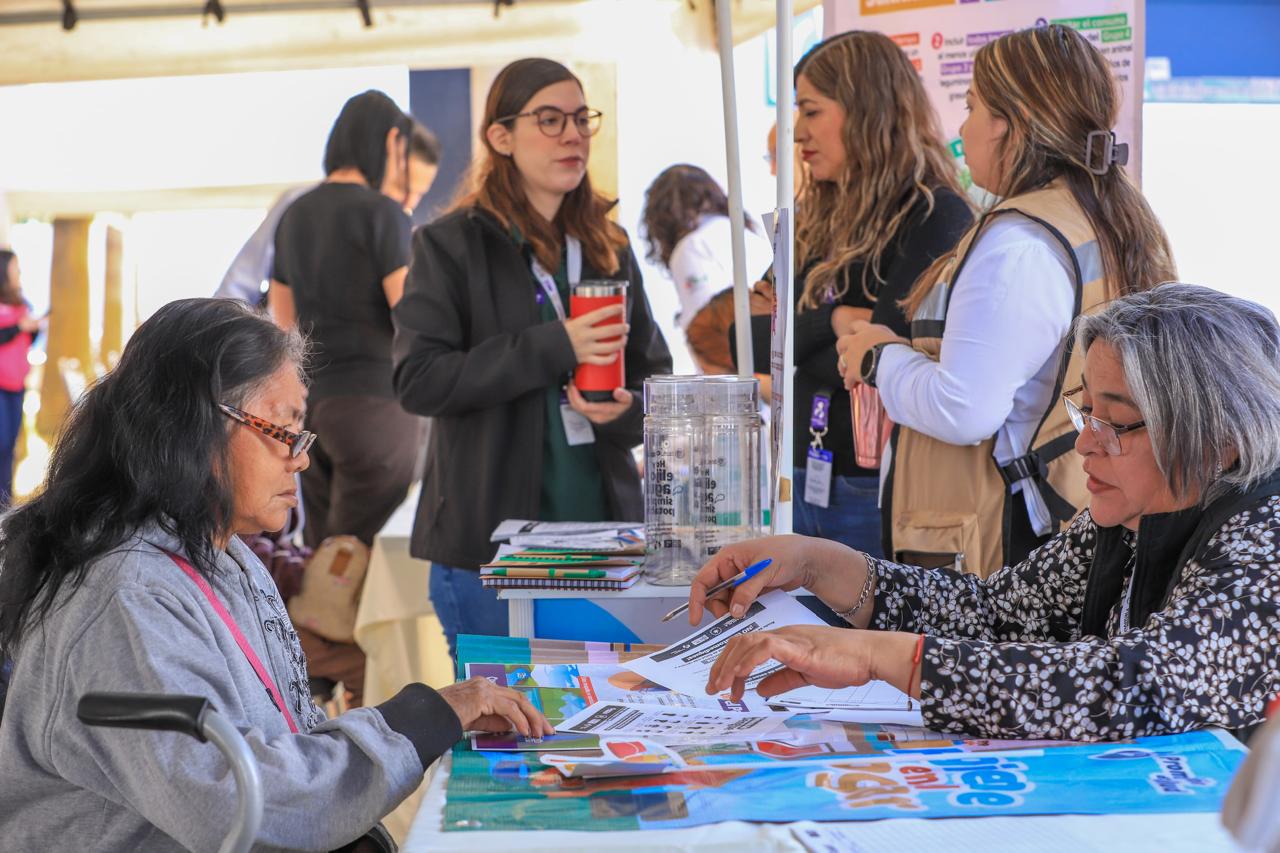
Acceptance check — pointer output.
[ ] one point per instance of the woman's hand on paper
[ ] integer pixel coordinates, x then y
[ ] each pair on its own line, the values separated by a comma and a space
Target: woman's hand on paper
594, 344
818, 655
482, 705
798, 561
601, 413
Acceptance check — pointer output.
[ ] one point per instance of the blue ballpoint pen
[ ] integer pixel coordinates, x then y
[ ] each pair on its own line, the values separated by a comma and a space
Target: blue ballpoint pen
744, 575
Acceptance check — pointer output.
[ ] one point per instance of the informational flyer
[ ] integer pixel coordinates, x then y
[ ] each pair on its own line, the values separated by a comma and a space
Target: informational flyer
685, 665
562, 690
667, 724
780, 418
941, 37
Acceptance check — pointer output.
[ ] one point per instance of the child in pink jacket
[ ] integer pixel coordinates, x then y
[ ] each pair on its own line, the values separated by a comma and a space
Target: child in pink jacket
17, 330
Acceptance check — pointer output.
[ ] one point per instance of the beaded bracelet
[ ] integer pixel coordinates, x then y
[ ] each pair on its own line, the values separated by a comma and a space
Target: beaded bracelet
847, 615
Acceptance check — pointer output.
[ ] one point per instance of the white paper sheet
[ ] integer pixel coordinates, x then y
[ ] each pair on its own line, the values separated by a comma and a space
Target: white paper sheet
518, 526
667, 723
684, 665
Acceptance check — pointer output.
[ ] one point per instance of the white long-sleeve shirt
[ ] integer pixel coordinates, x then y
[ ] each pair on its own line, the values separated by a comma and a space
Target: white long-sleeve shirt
1009, 316
701, 263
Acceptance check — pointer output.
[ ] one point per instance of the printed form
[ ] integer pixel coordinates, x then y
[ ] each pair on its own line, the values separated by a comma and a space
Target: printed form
684, 665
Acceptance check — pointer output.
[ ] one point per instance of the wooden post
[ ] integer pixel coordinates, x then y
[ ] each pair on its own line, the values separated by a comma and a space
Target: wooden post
113, 306
600, 83
68, 346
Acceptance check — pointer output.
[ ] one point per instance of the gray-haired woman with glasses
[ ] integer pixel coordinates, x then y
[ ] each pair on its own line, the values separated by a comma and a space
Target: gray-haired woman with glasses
124, 574
1153, 613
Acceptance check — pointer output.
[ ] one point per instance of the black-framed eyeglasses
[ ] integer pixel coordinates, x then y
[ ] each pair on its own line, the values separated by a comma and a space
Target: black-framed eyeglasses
552, 120
297, 442
1107, 433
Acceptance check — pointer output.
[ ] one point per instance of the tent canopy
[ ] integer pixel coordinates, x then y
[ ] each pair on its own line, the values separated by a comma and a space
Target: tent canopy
143, 38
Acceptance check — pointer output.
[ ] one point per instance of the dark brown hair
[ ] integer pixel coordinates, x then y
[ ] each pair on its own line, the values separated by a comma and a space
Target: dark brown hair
675, 203
495, 185
1054, 88
9, 294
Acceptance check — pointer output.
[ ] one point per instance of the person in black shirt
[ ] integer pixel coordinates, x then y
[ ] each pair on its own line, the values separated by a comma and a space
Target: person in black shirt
342, 253
882, 203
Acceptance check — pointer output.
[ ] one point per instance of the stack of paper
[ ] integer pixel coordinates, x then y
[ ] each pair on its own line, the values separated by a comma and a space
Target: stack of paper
685, 665
564, 555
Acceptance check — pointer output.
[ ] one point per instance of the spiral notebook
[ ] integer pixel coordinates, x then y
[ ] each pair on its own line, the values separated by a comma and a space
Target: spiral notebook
498, 582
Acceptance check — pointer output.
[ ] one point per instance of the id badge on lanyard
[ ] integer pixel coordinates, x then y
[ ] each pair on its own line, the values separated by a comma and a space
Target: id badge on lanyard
577, 429
547, 282
818, 465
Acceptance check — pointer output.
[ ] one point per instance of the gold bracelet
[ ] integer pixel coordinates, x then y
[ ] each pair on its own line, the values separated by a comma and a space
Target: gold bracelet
847, 615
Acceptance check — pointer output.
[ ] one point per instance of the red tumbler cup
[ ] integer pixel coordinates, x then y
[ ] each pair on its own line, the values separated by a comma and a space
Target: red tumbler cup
597, 381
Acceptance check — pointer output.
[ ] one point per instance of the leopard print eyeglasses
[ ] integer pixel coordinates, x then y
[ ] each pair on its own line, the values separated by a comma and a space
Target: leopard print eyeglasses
297, 442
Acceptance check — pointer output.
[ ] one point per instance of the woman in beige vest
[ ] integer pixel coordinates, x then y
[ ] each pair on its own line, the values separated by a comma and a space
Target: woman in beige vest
980, 473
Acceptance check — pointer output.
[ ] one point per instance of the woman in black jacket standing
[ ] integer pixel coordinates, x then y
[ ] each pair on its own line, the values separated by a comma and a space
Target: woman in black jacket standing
483, 345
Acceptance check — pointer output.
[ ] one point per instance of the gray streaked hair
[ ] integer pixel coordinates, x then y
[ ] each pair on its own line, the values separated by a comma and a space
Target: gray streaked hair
1203, 368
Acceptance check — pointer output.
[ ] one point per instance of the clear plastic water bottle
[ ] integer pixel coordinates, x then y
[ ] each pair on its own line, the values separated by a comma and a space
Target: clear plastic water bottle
730, 474
673, 435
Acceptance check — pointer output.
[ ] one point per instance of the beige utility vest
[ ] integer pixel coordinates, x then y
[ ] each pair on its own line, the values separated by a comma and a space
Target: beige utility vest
948, 500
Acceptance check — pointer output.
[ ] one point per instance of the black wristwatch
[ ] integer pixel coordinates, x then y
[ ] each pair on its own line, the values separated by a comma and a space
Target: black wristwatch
871, 362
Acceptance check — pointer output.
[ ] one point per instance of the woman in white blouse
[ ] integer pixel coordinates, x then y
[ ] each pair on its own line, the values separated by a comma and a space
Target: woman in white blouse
980, 472
686, 224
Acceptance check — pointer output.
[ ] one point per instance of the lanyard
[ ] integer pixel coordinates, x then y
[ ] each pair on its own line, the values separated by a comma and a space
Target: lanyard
272, 692
573, 264
819, 417
1128, 591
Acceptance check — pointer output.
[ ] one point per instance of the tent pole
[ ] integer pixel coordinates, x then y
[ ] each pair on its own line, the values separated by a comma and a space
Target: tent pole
784, 265
733, 159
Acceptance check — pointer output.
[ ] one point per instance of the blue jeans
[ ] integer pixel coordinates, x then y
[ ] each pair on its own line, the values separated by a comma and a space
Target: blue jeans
852, 518
464, 606
10, 427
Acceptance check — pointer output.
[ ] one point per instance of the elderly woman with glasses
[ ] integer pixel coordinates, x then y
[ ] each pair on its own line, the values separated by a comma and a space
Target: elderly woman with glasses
1153, 613
125, 574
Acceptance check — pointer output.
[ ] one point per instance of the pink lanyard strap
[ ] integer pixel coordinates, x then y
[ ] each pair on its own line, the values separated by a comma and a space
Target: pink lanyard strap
276, 698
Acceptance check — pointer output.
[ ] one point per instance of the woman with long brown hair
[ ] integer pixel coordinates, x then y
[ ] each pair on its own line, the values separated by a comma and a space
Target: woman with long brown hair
980, 473
484, 347
882, 203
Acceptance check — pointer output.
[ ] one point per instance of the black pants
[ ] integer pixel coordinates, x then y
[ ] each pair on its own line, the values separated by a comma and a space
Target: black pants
361, 465
1022, 536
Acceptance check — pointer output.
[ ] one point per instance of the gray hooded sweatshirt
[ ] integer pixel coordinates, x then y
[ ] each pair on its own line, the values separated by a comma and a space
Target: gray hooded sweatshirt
138, 624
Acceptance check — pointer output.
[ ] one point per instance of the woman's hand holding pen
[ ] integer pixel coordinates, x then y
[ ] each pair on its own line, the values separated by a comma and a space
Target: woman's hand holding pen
833, 572
591, 343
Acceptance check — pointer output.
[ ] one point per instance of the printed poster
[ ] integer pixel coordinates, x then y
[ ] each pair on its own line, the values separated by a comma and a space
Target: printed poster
1176, 773
941, 37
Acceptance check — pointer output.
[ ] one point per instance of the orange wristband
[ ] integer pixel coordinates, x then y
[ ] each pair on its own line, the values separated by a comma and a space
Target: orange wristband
915, 662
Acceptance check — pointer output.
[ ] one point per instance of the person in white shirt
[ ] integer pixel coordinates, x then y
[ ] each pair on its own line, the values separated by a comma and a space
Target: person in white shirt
686, 224
975, 389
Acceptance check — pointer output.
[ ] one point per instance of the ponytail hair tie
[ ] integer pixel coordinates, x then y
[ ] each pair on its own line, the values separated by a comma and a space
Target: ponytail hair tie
1101, 151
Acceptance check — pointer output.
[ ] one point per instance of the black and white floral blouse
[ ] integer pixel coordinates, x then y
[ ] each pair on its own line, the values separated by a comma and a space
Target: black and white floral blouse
1037, 650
